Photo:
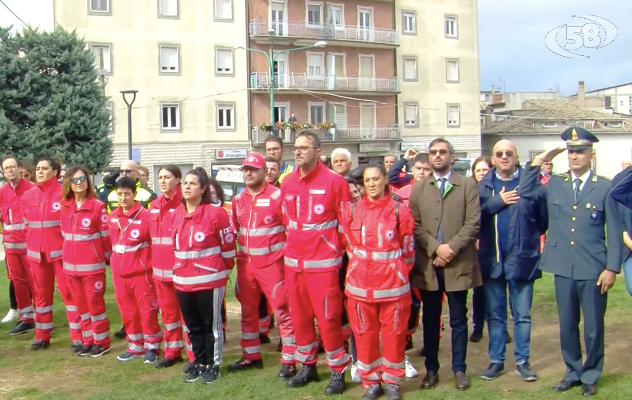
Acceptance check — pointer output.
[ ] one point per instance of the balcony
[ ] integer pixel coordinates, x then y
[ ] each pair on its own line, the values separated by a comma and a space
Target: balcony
299, 82
301, 34
349, 134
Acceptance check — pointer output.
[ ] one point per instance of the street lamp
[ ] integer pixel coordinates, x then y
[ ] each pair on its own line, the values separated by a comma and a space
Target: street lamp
271, 57
129, 118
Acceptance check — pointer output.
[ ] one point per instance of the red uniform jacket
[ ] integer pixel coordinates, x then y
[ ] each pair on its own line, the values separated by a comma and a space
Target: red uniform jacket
161, 213
129, 233
381, 254
404, 191
86, 237
204, 248
42, 209
313, 205
258, 221
12, 216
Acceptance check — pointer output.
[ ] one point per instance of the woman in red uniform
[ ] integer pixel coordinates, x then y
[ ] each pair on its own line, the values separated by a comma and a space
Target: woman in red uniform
204, 245
84, 226
44, 251
161, 212
380, 244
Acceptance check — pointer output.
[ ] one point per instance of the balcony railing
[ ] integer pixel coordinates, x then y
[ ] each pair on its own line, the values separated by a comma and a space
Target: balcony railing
349, 134
261, 80
294, 29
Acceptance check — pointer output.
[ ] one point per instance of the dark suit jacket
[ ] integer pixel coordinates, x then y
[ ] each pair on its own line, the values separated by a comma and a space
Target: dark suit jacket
459, 215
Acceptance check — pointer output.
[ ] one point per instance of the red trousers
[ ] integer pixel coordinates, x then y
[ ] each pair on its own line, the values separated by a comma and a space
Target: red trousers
136, 297
88, 292
171, 319
44, 274
251, 281
19, 271
380, 323
317, 294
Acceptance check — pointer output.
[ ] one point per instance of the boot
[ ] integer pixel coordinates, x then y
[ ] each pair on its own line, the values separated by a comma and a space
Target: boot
287, 371
336, 384
245, 364
306, 375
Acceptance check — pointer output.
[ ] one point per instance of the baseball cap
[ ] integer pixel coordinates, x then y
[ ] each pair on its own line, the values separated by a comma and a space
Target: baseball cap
254, 160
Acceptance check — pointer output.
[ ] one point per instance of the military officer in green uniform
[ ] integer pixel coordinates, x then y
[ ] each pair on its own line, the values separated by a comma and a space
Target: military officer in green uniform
583, 252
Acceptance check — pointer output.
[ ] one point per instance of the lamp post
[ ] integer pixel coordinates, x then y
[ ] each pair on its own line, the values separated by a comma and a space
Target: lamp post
129, 118
271, 57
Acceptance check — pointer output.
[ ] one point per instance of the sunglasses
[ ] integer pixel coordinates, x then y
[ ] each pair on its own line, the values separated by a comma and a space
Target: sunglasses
442, 152
77, 180
508, 153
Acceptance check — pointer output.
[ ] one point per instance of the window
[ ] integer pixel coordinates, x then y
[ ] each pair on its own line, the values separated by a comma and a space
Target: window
411, 115
409, 22
168, 8
335, 15
452, 70
224, 62
410, 68
110, 109
315, 64
223, 10
451, 28
549, 125
99, 6
169, 117
316, 113
614, 124
454, 115
169, 59
105, 51
314, 14
225, 117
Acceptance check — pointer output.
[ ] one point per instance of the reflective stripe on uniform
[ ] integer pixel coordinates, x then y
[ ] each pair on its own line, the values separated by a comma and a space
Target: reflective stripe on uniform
164, 240
261, 251
378, 255
326, 263
163, 273
15, 246
43, 224
262, 231
200, 279
188, 255
313, 227
84, 267
378, 294
14, 227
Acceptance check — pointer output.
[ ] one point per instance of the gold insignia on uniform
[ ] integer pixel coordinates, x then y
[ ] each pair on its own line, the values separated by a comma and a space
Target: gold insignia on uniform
574, 135
587, 205
594, 178
566, 179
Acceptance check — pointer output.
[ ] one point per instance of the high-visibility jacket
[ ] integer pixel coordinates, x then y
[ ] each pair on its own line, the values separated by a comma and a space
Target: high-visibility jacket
12, 216
143, 196
86, 237
204, 245
403, 192
42, 208
160, 217
381, 250
258, 220
286, 169
131, 242
313, 206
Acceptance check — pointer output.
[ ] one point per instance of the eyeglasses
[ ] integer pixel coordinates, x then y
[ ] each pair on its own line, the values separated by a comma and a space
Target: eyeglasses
434, 152
77, 180
126, 171
10, 167
273, 150
302, 149
508, 153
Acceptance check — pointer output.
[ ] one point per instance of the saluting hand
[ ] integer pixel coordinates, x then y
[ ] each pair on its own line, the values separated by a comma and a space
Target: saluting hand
510, 197
549, 155
606, 280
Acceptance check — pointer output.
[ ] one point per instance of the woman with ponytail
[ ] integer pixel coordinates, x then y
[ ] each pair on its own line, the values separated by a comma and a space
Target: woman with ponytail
204, 245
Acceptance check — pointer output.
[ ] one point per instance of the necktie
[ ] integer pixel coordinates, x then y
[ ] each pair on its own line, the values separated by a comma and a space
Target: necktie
578, 184
442, 185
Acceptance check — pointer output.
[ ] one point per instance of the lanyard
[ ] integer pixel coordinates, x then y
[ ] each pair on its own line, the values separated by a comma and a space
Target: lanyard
131, 221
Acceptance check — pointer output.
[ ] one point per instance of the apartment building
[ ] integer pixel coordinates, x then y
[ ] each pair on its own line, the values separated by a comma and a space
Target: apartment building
352, 81
438, 66
192, 103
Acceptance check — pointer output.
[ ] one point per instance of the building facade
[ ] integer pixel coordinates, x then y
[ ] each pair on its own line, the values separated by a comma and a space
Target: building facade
617, 98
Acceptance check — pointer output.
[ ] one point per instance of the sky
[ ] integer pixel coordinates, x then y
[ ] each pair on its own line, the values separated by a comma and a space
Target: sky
512, 52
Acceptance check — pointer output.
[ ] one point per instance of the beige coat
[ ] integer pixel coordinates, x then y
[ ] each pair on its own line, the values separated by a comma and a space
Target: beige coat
459, 213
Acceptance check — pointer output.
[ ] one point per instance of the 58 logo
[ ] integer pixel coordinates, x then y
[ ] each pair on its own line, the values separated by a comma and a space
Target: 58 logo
593, 35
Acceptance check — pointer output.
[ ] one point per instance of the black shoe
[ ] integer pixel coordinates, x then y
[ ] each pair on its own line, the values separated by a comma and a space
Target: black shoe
392, 391
565, 385
336, 384
430, 380
493, 371
76, 346
306, 374
167, 362
508, 338
121, 334
589, 390
97, 351
84, 350
409, 342
476, 335
245, 364
188, 367
287, 371
39, 345
194, 373
264, 339
211, 374
21, 328
280, 346
373, 392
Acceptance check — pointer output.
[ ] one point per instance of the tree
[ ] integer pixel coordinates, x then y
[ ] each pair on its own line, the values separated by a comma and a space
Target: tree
50, 101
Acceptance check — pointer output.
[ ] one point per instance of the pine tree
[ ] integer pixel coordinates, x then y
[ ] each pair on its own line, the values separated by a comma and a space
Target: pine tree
50, 101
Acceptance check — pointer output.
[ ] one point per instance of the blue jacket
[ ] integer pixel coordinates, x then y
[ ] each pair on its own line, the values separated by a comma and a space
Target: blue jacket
622, 187
528, 220
396, 176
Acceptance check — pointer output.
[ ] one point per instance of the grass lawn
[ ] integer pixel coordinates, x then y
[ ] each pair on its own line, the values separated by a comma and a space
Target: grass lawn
56, 374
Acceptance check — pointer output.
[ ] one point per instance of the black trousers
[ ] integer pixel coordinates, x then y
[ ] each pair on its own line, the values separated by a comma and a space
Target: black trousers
13, 303
431, 319
202, 314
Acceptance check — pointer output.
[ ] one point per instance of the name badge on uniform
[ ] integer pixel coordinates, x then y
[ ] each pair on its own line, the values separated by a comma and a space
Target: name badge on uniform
314, 191
262, 203
119, 248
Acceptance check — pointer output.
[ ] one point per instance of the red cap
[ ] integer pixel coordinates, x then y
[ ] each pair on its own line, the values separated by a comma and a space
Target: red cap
254, 160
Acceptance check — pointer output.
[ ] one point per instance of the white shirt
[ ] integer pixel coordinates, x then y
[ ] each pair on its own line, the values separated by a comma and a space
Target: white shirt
446, 176
584, 178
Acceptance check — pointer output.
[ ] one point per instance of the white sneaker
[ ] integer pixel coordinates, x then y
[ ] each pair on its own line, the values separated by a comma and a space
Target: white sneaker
355, 375
12, 315
411, 372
